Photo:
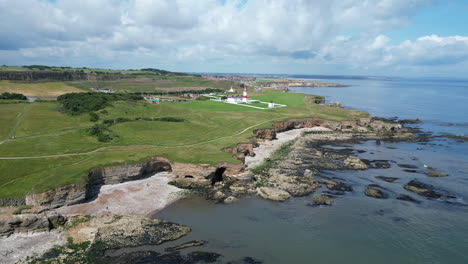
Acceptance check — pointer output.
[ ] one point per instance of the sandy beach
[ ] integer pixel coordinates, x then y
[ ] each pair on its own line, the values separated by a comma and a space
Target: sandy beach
141, 197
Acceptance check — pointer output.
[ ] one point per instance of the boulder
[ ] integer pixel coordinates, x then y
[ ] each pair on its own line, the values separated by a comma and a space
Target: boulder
219, 195
374, 192
230, 199
336, 186
355, 163
273, 194
241, 188
322, 200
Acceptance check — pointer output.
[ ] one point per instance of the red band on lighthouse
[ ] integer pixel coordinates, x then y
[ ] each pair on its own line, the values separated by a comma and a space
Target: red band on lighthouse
244, 94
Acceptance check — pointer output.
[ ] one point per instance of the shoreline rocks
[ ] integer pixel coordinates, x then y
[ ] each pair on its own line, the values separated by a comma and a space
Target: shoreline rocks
322, 200
336, 186
273, 194
355, 163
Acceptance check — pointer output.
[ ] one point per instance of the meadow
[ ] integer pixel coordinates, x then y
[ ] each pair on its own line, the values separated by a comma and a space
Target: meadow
54, 149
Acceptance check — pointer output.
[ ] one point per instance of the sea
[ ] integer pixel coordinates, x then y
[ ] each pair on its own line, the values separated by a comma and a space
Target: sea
357, 228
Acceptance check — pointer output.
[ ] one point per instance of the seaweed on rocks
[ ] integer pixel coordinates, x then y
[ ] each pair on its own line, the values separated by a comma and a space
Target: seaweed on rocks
426, 190
407, 198
387, 179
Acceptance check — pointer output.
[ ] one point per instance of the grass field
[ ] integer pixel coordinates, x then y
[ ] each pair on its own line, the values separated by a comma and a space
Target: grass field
52, 149
158, 83
51, 89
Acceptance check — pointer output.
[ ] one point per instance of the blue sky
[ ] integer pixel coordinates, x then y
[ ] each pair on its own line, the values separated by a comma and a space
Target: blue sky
444, 18
351, 37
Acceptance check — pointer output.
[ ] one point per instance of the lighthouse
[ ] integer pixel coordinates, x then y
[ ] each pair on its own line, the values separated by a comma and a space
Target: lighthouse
244, 95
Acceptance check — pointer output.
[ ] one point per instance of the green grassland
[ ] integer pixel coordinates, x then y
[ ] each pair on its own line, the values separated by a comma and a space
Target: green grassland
54, 149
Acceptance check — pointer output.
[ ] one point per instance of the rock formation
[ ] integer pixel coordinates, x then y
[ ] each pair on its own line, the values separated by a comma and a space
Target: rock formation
355, 163
273, 194
23, 223
322, 200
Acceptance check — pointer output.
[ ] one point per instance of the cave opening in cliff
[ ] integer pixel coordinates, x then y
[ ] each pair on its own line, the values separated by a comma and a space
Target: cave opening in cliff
218, 175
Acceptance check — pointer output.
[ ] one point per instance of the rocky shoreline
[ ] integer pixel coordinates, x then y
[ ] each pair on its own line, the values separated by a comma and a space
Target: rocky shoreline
294, 174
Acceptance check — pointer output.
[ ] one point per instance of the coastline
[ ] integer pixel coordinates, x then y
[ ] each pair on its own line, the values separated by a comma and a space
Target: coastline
266, 148
147, 196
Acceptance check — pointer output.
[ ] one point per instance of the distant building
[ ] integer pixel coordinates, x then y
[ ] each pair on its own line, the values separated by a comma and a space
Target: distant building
104, 90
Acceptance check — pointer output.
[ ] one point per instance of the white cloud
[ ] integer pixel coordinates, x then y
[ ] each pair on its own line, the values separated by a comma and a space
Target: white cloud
143, 33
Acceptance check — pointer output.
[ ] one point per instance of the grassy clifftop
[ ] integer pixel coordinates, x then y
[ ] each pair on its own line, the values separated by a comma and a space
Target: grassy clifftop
54, 149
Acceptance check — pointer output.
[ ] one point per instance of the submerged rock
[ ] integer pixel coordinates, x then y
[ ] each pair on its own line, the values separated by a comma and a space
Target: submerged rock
436, 174
322, 200
425, 190
387, 179
193, 243
375, 193
407, 166
336, 186
273, 194
404, 197
355, 163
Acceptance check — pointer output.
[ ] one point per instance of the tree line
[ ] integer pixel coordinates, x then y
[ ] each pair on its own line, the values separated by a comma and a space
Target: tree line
13, 96
78, 103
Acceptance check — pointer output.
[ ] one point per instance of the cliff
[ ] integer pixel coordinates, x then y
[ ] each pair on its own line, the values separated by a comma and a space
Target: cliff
44, 221
78, 193
201, 175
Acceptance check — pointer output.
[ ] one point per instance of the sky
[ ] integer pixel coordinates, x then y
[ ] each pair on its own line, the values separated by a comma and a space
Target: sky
407, 38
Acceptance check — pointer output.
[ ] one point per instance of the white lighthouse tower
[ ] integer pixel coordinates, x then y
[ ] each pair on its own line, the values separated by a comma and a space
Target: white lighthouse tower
244, 95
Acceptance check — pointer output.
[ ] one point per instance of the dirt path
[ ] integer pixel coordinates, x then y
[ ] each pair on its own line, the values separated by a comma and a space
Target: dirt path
20, 118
